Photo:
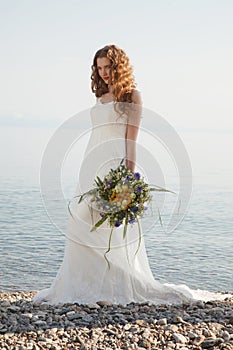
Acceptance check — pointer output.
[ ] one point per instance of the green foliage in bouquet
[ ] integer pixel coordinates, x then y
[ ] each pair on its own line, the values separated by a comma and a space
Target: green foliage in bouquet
121, 198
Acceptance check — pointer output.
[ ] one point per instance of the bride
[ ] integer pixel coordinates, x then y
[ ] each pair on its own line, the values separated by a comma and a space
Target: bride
84, 276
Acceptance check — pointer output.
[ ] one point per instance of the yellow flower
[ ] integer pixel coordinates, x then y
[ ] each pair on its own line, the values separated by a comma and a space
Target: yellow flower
122, 196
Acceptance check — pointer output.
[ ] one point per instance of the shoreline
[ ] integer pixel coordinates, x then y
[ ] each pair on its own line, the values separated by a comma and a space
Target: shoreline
198, 325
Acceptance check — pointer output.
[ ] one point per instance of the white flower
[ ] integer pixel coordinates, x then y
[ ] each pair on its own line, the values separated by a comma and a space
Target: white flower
124, 202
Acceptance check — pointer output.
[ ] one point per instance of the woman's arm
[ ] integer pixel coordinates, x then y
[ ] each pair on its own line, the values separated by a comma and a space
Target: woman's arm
134, 119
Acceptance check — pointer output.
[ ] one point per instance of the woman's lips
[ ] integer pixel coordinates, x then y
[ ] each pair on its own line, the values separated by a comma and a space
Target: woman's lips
105, 78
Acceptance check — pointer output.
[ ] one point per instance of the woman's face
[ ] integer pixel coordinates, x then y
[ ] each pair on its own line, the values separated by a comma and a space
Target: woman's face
103, 67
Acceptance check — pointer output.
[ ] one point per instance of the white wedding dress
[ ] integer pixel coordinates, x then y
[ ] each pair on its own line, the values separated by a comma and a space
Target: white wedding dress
84, 276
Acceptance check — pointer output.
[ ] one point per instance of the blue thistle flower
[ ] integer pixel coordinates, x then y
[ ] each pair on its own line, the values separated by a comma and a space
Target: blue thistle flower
137, 176
127, 179
134, 209
131, 221
138, 189
117, 224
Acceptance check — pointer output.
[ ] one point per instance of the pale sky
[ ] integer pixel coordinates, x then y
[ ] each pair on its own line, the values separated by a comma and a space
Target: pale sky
181, 51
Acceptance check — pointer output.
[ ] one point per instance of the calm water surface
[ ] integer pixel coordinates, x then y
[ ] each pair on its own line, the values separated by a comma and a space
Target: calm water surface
198, 253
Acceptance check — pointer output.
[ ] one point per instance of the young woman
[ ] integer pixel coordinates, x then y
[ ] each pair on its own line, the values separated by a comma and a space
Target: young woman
84, 275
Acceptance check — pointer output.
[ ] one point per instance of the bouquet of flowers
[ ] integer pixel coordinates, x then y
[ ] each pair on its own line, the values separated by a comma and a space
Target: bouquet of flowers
121, 198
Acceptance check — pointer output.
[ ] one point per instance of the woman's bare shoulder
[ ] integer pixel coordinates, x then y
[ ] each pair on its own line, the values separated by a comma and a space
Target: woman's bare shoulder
136, 97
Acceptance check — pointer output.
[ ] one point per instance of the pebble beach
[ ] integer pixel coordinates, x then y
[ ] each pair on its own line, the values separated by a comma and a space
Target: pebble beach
199, 325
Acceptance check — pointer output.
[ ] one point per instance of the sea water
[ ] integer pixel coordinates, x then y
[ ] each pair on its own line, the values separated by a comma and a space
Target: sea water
197, 253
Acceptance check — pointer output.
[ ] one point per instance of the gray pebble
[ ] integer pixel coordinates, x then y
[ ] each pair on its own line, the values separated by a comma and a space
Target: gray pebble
179, 338
210, 343
74, 315
162, 322
199, 340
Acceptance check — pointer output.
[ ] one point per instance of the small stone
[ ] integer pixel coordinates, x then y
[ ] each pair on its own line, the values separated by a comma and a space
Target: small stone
144, 343
141, 323
162, 322
69, 313
93, 306
14, 309
146, 334
134, 330
36, 347
200, 304
217, 326
208, 334
54, 347
40, 323
198, 340
103, 303
192, 335
82, 347
127, 326
225, 335
74, 315
3, 330
49, 320
171, 327
178, 319
179, 338
108, 331
87, 318
210, 343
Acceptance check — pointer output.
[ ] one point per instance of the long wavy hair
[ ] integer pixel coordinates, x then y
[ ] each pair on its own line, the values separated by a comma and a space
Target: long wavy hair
121, 76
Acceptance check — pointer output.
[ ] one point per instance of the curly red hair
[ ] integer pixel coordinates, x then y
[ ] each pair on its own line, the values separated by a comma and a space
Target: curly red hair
121, 76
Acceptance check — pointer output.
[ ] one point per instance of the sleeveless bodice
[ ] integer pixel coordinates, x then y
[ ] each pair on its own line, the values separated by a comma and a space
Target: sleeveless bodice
106, 122
106, 146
